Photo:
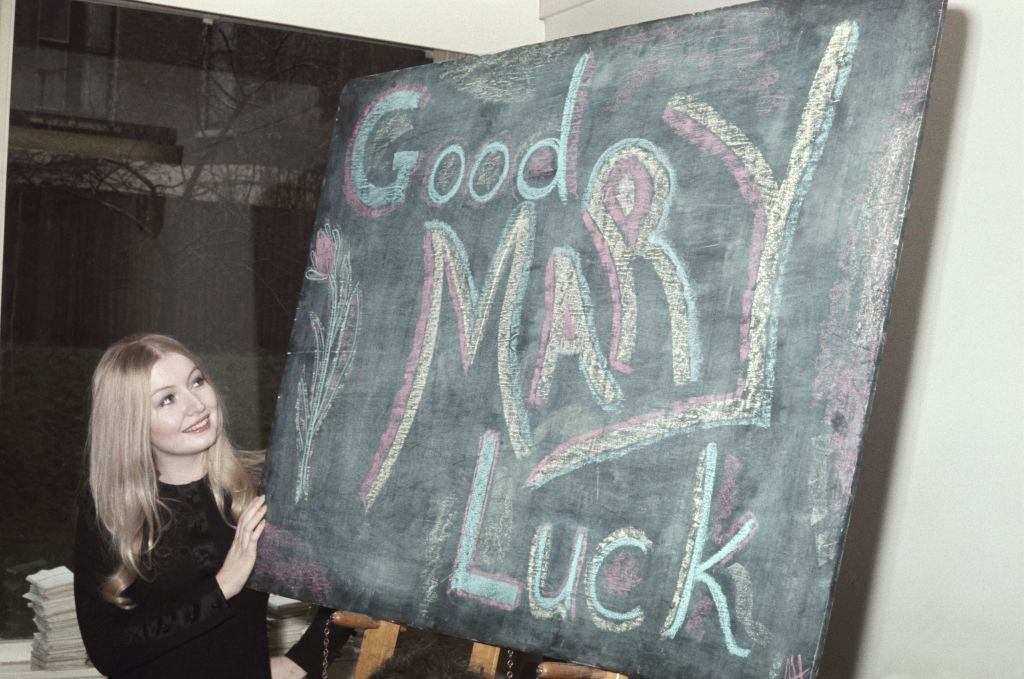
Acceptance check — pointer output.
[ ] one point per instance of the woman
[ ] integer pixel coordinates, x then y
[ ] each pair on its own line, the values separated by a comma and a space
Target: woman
168, 529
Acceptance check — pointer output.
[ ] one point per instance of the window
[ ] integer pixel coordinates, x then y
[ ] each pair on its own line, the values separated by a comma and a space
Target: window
162, 185
73, 46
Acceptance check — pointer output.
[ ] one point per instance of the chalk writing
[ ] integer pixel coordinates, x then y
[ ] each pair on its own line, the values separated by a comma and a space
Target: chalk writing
631, 189
443, 253
369, 199
569, 331
795, 668
502, 591
492, 148
563, 602
603, 617
564, 147
436, 197
694, 570
468, 581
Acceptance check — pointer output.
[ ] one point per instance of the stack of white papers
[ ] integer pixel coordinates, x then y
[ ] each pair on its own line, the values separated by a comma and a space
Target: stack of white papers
287, 619
58, 644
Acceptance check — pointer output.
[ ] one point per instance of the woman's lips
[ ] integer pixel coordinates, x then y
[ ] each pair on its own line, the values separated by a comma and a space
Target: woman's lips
200, 426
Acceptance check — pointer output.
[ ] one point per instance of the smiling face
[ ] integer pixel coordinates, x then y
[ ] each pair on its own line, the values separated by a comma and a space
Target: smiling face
183, 417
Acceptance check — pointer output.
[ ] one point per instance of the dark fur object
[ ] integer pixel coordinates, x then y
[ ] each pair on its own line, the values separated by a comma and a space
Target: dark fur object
425, 662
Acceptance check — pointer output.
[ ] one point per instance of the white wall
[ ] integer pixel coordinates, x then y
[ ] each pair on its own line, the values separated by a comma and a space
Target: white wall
577, 17
472, 26
6, 55
931, 583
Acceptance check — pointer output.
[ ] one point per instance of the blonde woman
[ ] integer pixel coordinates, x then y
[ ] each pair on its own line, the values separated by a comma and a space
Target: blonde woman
168, 528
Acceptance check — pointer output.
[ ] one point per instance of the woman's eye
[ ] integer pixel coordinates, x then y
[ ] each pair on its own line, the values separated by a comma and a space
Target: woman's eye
199, 381
166, 400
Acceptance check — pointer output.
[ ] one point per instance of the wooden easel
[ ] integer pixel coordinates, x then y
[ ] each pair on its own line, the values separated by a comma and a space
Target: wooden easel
381, 637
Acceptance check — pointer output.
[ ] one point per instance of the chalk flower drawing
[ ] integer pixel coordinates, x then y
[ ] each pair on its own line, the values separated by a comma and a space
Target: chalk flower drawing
334, 346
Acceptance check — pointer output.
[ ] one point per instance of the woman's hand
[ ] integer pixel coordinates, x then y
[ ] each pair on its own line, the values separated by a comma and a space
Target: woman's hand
241, 556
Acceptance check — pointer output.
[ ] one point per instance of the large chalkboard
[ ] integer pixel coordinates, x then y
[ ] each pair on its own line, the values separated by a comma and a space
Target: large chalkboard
588, 337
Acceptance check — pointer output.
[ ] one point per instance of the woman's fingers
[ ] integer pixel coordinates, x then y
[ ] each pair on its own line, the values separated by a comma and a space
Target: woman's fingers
251, 520
257, 518
258, 504
252, 514
251, 536
258, 531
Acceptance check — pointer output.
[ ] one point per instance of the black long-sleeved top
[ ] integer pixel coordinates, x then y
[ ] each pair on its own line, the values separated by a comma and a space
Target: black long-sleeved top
181, 626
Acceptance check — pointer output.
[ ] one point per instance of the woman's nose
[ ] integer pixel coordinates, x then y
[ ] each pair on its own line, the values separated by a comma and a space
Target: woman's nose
195, 403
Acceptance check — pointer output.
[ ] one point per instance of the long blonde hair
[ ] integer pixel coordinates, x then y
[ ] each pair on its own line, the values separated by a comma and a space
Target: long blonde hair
122, 471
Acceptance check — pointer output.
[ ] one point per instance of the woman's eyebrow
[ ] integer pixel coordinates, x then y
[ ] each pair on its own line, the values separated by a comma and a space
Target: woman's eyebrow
195, 369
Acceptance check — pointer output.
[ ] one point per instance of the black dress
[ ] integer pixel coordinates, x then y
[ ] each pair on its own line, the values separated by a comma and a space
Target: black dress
181, 626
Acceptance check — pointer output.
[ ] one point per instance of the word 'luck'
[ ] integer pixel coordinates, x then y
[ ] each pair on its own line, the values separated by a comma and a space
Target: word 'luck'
504, 592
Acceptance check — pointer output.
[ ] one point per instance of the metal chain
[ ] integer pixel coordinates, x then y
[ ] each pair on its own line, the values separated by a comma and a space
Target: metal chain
327, 644
510, 663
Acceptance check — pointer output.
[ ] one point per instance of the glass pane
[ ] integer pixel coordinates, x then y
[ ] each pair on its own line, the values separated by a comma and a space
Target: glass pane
96, 86
53, 20
52, 68
99, 28
168, 186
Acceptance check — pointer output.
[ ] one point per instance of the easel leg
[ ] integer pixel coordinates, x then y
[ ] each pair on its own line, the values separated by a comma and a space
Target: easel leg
378, 645
484, 659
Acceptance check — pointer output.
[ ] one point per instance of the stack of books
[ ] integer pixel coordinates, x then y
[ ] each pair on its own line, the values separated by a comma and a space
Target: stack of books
287, 619
58, 644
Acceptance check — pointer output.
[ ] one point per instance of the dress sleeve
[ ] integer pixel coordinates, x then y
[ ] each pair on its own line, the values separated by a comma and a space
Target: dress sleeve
117, 639
308, 652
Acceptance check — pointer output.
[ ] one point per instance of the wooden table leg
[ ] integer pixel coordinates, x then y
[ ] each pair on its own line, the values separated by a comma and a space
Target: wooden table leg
484, 659
562, 670
378, 645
